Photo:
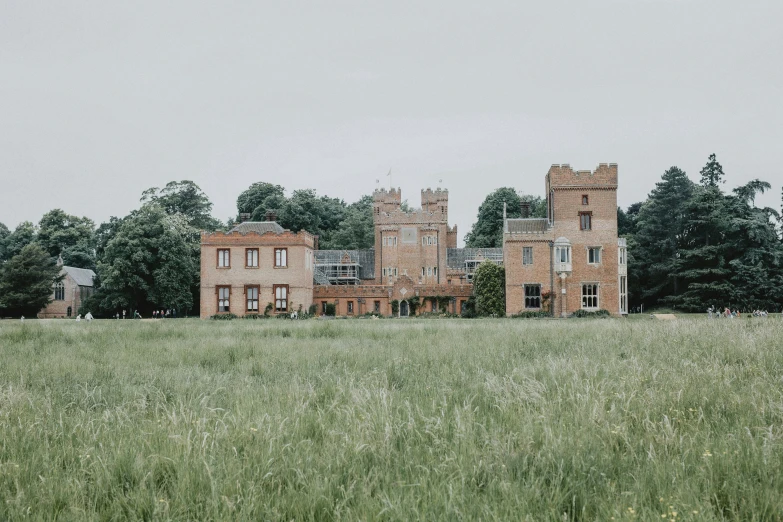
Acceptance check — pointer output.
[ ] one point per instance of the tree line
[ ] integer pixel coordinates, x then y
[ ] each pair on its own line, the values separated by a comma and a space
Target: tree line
694, 245
691, 245
150, 259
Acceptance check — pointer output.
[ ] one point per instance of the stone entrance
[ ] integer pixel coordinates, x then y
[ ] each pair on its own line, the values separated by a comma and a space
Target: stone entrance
404, 309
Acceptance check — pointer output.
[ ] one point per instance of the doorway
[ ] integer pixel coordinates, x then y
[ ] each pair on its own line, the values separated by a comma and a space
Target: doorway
404, 309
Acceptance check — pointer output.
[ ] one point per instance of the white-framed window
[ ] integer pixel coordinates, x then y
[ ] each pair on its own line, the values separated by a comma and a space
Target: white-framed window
621, 256
623, 294
527, 255
223, 258
532, 296
281, 257
251, 258
423, 271
563, 254
435, 271
594, 255
590, 296
429, 270
390, 240
429, 240
395, 272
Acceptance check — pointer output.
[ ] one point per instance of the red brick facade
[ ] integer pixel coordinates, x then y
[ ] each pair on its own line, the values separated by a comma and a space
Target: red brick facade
415, 258
582, 213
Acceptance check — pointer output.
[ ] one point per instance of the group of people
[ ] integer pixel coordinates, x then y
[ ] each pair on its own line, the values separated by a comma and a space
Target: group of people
168, 313
716, 313
136, 315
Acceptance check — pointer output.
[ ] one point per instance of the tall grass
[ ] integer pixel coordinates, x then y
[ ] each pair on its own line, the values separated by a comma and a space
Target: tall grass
392, 420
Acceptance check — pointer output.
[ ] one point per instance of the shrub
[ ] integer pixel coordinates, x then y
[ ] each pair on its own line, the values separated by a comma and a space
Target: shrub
312, 310
268, 309
395, 304
224, 317
489, 286
588, 314
330, 309
530, 314
470, 308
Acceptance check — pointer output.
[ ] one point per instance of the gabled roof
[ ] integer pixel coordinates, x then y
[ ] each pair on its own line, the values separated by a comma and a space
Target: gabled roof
258, 227
82, 276
527, 225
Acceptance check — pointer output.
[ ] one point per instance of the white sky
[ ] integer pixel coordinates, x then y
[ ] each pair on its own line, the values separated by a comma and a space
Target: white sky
101, 100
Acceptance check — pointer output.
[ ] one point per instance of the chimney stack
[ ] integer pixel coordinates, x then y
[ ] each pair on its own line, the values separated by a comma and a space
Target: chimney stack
270, 215
244, 217
525, 205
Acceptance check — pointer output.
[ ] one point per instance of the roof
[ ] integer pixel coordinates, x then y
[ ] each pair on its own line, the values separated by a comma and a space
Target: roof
527, 226
82, 276
259, 227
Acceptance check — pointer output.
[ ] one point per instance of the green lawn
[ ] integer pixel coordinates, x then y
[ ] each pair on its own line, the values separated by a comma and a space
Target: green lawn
392, 420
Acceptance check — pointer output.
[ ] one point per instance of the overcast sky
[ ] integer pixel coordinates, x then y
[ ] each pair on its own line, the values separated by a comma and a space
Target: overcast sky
101, 100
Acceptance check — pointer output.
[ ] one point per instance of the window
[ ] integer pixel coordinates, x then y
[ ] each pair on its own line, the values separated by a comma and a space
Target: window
623, 295
585, 221
435, 271
594, 255
223, 258
563, 254
423, 272
251, 292
251, 258
323, 307
224, 304
281, 257
590, 295
281, 298
390, 241
376, 307
429, 270
59, 291
350, 307
532, 296
584, 199
621, 256
527, 255
69, 312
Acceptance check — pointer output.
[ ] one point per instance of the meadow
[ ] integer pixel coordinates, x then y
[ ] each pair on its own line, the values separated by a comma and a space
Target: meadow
392, 420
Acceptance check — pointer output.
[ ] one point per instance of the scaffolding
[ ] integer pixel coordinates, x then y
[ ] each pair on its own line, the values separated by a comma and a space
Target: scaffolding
344, 267
468, 259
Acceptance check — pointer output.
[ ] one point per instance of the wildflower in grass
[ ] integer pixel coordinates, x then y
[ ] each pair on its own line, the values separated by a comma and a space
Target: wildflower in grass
707, 453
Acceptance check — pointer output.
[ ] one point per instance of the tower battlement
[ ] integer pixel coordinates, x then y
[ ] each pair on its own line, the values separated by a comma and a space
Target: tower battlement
386, 200
564, 176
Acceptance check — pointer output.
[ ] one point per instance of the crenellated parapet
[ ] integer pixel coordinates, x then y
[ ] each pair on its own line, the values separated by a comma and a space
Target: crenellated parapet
284, 238
563, 176
420, 216
386, 200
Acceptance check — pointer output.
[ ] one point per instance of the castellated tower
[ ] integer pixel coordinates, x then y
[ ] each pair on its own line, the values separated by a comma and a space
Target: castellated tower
411, 244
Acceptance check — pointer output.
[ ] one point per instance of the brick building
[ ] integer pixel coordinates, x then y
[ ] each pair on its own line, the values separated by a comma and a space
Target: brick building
254, 265
571, 259
67, 295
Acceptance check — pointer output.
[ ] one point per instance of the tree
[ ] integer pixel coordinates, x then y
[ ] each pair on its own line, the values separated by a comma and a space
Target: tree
356, 231
626, 220
26, 281
150, 262
712, 173
489, 286
185, 198
70, 236
487, 231
23, 235
251, 199
747, 192
4, 234
660, 228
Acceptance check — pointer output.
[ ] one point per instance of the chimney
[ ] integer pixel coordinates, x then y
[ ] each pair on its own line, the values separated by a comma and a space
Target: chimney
244, 217
525, 206
270, 215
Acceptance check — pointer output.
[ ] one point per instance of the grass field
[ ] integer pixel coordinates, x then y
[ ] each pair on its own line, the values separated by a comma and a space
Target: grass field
392, 420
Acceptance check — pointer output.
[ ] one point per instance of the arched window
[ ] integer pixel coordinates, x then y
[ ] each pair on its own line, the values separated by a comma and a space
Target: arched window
69, 311
59, 291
